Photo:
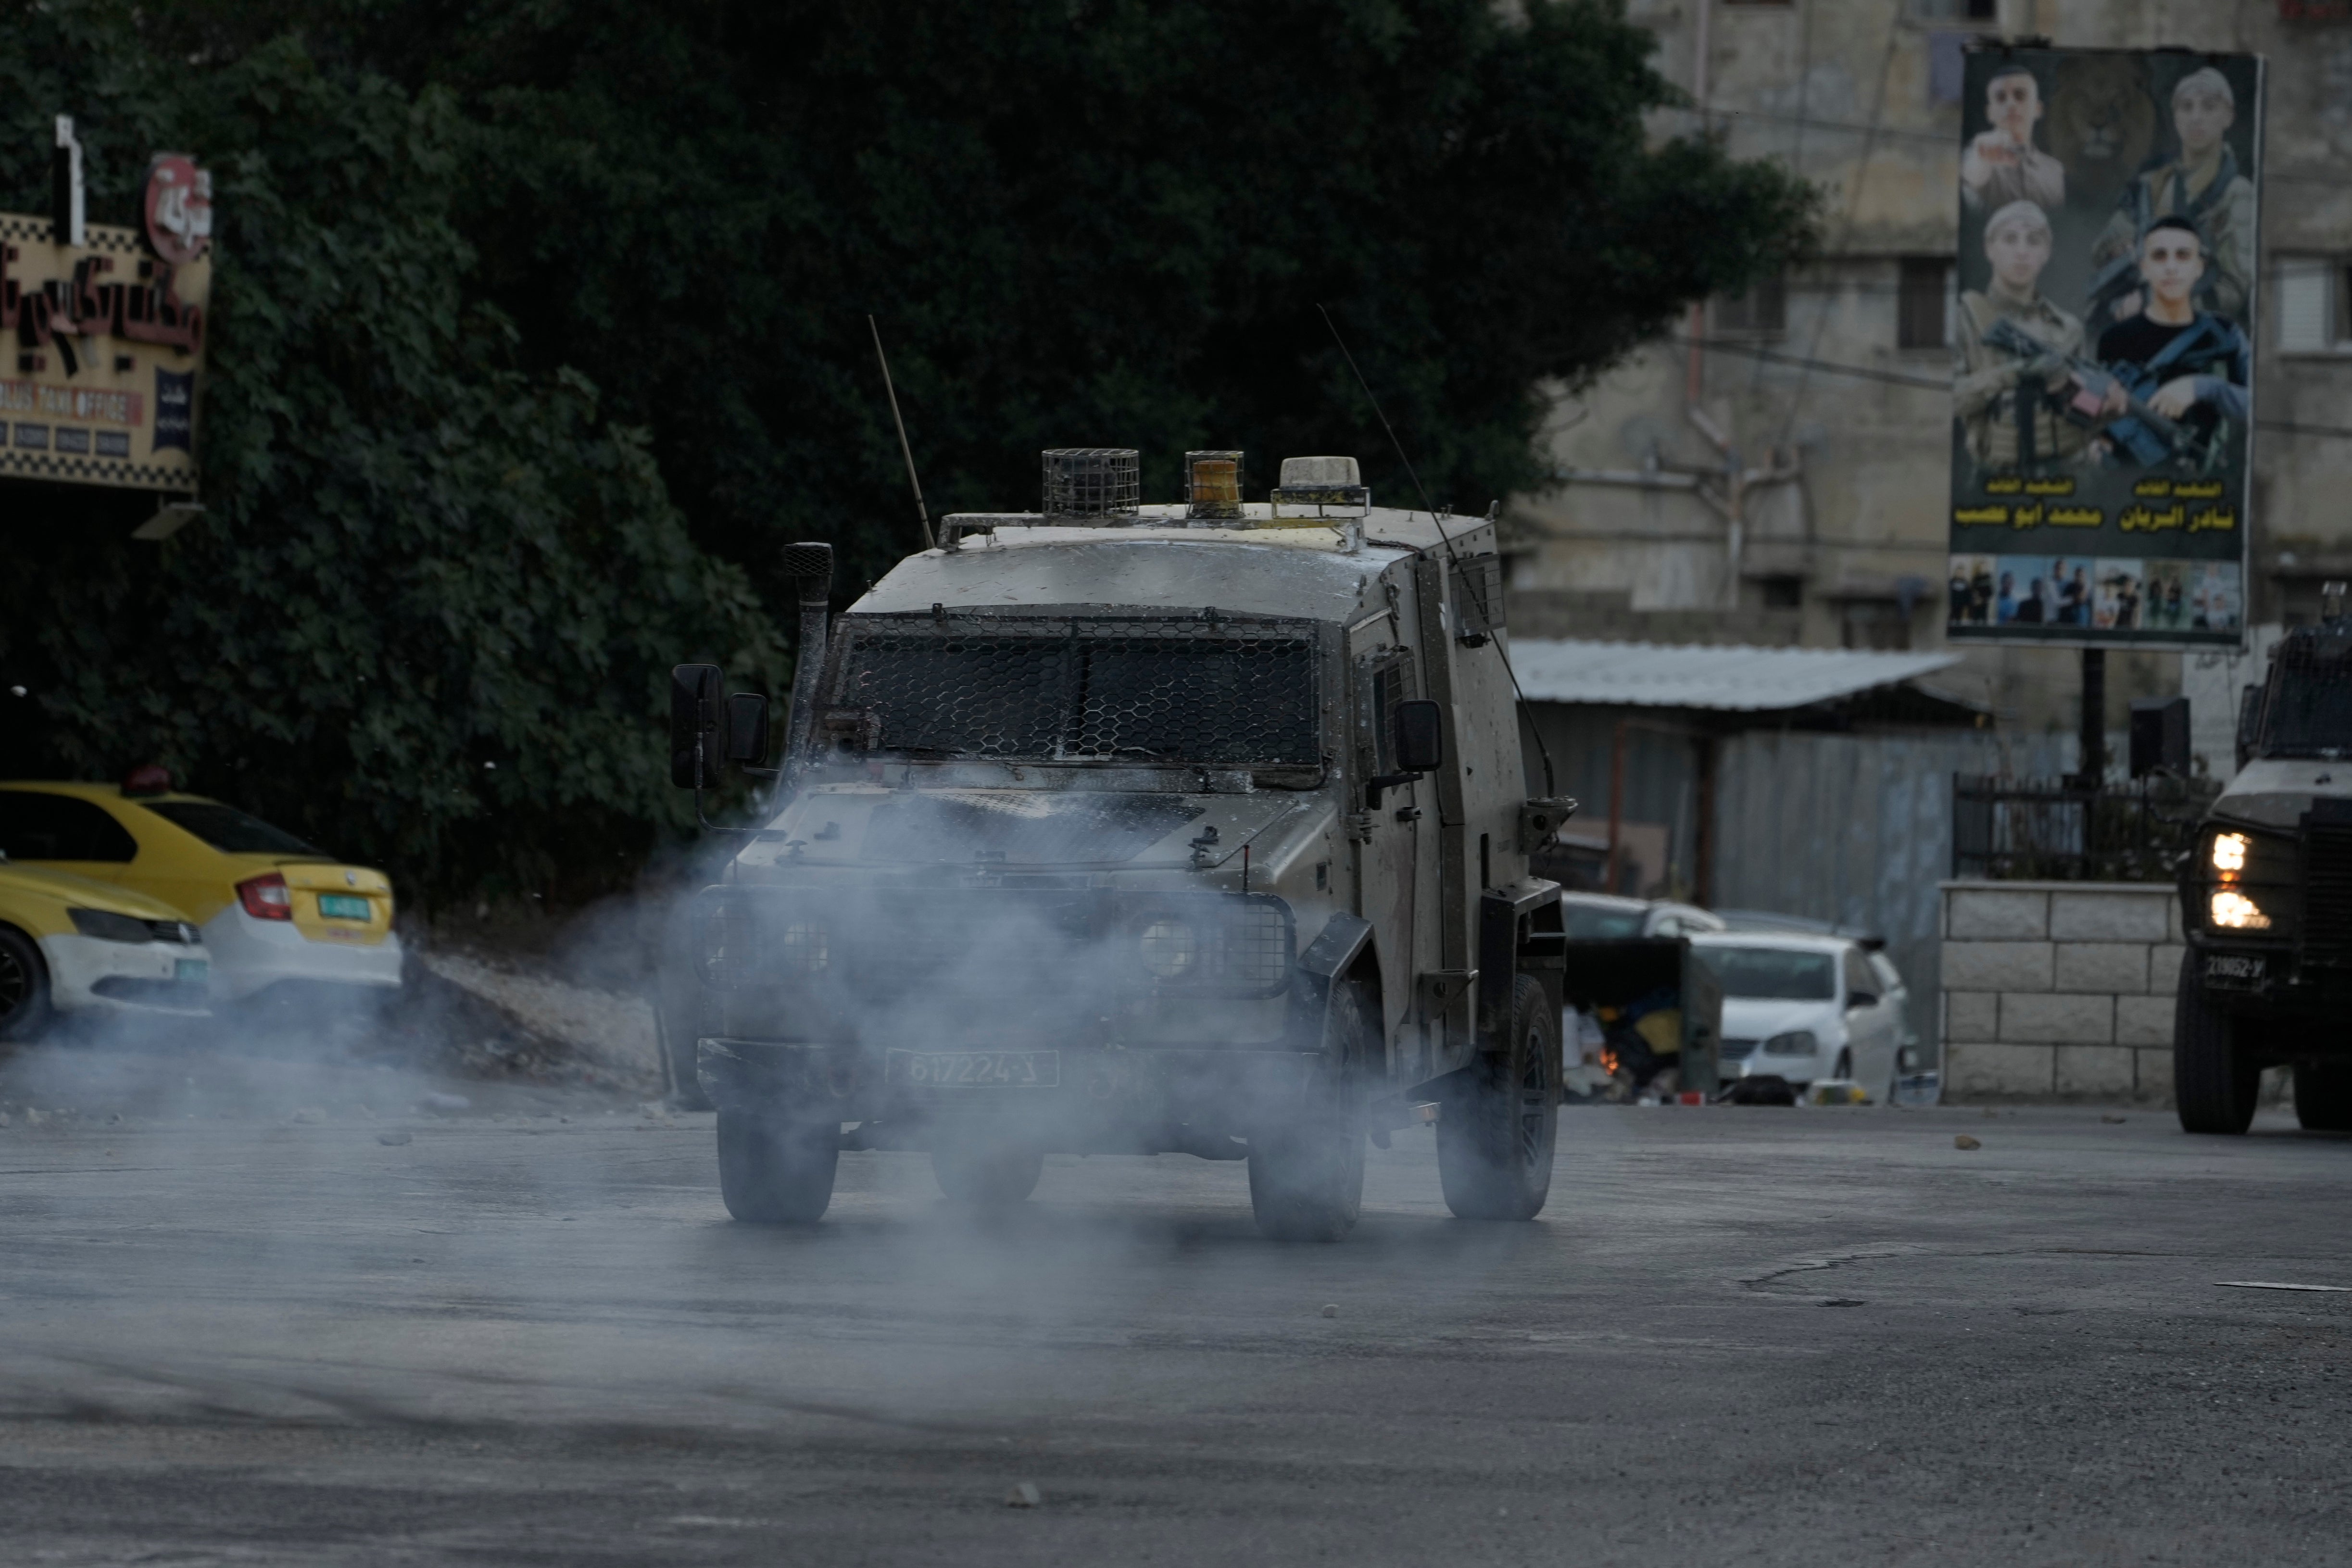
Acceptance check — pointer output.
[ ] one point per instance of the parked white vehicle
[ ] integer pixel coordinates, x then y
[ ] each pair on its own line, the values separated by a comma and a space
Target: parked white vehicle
1803, 1008
1600, 916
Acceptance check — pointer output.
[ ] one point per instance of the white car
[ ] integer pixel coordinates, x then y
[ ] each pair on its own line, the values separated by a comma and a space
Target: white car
1803, 1008
1600, 916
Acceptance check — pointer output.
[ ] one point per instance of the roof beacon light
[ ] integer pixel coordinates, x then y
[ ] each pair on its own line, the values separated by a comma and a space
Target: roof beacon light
1084, 483
1212, 486
1317, 491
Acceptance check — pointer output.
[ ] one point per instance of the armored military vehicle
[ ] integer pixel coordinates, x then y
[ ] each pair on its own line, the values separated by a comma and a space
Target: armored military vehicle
1124, 828
2266, 900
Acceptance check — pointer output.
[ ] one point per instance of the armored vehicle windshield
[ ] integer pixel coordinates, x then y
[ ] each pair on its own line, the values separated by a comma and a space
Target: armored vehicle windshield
2309, 710
1224, 691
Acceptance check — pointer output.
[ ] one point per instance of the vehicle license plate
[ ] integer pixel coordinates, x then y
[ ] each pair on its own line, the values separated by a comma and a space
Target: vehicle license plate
976, 1068
343, 906
190, 969
2233, 967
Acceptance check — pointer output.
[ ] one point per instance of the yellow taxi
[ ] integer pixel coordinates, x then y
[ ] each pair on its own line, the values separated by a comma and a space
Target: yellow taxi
275, 912
72, 945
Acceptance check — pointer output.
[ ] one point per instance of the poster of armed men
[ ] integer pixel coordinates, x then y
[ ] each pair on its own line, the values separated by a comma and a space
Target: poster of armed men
2104, 345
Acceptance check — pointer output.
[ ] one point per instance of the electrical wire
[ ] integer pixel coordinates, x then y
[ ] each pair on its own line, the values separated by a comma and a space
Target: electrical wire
1551, 784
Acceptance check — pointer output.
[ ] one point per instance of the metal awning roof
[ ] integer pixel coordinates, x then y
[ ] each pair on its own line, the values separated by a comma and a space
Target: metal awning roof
1731, 679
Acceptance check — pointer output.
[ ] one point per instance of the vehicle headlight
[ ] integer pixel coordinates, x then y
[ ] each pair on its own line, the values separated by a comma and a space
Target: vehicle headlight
805, 947
110, 928
2229, 852
2235, 911
1168, 948
1796, 1043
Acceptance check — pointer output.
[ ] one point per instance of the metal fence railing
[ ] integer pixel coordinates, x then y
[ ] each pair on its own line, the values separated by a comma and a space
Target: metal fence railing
2062, 830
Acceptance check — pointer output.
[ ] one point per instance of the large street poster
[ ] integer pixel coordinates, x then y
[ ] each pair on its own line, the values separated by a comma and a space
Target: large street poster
2102, 347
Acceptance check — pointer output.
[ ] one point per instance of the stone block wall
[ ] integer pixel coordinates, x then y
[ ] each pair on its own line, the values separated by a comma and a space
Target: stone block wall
2059, 989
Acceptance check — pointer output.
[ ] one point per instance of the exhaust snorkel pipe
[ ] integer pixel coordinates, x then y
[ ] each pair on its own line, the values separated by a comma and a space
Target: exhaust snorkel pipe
813, 565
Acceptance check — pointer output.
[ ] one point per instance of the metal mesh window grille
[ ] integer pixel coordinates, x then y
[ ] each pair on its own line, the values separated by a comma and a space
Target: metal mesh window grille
1083, 690
1478, 594
1390, 682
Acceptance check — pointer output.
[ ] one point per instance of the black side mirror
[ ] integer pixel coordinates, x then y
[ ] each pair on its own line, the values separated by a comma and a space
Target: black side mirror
1862, 998
1419, 736
697, 713
747, 729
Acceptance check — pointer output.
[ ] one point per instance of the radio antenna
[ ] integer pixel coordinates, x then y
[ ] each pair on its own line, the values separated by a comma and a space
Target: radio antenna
1551, 786
922, 513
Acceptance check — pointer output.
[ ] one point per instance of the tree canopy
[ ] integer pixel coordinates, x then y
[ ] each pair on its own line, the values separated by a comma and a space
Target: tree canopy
541, 326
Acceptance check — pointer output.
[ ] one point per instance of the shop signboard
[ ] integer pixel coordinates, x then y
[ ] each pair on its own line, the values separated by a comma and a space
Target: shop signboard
102, 341
2103, 345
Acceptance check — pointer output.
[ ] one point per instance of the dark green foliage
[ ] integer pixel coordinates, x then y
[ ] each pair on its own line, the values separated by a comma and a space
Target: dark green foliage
470, 247
428, 616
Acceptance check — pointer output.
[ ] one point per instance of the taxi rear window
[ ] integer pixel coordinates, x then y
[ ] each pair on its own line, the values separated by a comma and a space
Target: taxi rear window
230, 831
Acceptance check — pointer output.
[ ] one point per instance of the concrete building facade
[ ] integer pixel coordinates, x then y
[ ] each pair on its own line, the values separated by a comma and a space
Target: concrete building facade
1774, 471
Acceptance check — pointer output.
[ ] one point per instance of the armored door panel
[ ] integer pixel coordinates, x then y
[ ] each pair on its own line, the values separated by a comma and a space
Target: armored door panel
1387, 835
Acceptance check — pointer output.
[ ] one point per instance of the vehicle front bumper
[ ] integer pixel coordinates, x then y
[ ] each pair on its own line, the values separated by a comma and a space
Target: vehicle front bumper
90, 974
2267, 981
1798, 1071
1104, 1099
250, 955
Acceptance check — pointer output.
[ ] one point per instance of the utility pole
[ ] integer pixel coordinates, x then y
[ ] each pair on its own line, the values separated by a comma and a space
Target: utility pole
2093, 767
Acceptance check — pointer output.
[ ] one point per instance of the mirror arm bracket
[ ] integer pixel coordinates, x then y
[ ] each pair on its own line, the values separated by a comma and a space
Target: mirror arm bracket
1380, 781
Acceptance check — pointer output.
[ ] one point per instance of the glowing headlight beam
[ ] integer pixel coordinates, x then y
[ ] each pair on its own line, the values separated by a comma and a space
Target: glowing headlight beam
2230, 853
2238, 913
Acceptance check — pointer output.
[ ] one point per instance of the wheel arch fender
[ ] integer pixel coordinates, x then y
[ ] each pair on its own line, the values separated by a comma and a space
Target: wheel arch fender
1342, 951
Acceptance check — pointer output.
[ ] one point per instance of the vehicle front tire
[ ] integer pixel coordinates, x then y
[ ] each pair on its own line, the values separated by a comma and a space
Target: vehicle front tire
2212, 1083
25, 1009
987, 1175
776, 1171
1498, 1131
2323, 1097
1306, 1179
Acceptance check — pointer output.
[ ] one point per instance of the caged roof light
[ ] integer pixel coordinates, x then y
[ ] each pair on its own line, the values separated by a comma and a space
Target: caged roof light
1092, 481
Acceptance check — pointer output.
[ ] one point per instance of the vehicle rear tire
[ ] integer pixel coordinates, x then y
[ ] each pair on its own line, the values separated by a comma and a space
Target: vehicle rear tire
981, 1174
25, 1008
2214, 1086
1306, 1179
776, 1171
1499, 1129
2323, 1097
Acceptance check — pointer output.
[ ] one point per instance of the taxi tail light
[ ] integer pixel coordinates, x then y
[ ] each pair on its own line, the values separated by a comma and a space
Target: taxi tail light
267, 897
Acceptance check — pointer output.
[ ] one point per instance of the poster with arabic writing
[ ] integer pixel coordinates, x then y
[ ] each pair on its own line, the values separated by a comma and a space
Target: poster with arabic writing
2102, 347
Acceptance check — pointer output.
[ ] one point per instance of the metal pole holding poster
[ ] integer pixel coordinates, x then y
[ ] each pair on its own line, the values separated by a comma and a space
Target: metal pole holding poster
2103, 397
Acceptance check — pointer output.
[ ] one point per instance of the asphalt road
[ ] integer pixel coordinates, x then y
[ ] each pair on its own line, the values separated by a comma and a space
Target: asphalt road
1737, 1335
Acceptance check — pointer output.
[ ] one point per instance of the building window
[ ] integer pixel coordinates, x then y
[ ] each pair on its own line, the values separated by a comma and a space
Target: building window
1924, 303
1876, 623
2311, 305
1762, 311
1784, 592
1948, 64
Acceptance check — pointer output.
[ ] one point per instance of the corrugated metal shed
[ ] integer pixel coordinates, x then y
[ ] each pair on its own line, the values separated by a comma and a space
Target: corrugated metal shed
1729, 679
